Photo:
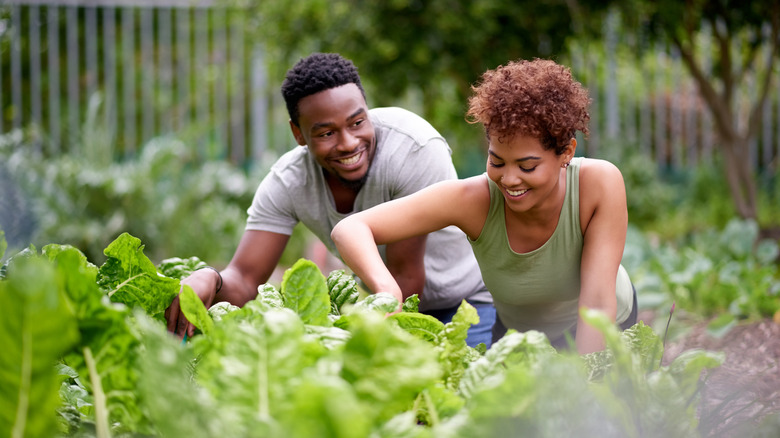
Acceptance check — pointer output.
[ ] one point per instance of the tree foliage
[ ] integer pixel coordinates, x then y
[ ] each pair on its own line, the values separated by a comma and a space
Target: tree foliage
438, 48
441, 47
742, 55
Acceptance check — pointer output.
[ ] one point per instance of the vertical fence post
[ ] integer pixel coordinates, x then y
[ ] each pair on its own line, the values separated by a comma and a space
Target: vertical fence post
202, 95
128, 80
74, 116
53, 64
259, 106
110, 102
35, 73
236, 65
164, 67
219, 80
90, 52
183, 86
16, 66
147, 74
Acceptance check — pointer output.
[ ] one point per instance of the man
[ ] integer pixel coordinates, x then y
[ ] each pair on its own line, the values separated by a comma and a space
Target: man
351, 158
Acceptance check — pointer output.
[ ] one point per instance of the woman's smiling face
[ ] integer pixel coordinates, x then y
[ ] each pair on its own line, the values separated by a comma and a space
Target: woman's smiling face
526, 172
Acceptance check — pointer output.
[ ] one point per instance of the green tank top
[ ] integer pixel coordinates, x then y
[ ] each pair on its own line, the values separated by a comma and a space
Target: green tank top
539, 290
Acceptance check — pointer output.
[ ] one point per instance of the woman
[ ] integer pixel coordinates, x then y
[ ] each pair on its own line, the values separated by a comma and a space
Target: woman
547, 229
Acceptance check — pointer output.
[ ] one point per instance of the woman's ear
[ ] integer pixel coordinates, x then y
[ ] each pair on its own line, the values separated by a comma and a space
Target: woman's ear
296, 132
569, 153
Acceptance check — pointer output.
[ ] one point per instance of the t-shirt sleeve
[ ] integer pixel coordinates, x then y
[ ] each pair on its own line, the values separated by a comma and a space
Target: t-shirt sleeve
272, 208
424, 165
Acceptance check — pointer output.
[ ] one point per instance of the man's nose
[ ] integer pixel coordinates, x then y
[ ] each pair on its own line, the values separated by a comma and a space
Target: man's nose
348, 141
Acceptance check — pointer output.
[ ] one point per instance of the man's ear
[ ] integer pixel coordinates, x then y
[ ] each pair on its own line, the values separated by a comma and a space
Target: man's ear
296, 132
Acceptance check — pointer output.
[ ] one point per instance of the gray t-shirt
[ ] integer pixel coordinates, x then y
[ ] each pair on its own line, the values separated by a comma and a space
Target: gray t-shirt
410, 155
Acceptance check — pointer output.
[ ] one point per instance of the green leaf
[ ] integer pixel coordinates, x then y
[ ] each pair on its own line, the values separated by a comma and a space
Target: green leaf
268, 294
3, 244
386, 366
325, 406
106, 337
176, 405
176, 267
342, 289
422, 326
305, 292
645, 342
721, 325
411, 304
132, 279
381, 302
36, 327
194, 310
687, 367
514, 347
219, 310
252, 365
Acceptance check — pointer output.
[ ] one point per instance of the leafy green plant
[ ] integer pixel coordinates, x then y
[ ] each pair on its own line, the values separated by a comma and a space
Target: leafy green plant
164, 195
289, 364
728, 273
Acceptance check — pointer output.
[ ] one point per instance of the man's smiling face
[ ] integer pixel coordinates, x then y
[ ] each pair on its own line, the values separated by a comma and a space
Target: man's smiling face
334, 123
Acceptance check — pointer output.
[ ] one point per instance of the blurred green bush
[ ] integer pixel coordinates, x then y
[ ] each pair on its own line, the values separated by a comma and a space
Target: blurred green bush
178, 206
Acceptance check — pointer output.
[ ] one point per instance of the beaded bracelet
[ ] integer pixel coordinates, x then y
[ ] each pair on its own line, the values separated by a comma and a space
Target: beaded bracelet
219, 287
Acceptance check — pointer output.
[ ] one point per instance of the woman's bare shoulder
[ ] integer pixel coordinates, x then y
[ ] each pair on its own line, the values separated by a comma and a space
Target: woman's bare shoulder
597, 173
473, 204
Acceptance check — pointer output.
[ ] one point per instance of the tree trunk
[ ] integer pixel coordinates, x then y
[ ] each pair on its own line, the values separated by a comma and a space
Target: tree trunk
737, 168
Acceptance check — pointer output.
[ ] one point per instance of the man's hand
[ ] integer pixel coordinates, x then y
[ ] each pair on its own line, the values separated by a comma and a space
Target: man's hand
204, 282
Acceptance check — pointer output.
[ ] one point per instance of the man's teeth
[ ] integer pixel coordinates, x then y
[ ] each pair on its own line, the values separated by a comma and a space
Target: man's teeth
350, 160
516, 192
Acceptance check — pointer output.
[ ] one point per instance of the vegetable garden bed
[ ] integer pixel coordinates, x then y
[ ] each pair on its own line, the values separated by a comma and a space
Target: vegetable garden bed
86, 353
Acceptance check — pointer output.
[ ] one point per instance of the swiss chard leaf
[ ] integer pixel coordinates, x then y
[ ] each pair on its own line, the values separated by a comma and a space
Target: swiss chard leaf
269, 295
176, 405
179, 268
342, 289
252, 365
381, 302
411, 304
132, 279
107, 354
306, 293
387, 367
36, 327
194, 310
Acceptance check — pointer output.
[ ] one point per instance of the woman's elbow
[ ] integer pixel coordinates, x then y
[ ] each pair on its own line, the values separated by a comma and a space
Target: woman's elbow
341, 230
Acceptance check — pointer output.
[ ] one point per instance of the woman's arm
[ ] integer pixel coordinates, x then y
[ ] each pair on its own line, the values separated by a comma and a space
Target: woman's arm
603, 204
431, 209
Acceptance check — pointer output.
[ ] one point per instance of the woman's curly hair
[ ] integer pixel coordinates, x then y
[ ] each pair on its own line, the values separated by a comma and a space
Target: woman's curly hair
537, 98
317, 72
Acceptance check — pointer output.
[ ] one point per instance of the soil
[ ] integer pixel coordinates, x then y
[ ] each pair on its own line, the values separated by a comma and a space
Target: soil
742, 396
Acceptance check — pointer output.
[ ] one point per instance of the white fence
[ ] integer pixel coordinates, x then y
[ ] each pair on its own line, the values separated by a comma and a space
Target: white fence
131, 70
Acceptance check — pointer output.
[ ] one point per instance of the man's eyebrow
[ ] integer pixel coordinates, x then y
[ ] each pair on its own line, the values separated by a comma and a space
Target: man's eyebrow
360, 111
519, 160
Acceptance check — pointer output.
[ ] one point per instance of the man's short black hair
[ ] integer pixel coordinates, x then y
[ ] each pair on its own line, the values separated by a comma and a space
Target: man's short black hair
317, 72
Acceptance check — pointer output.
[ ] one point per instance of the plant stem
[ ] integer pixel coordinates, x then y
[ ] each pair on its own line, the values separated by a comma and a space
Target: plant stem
24, 386
101, 410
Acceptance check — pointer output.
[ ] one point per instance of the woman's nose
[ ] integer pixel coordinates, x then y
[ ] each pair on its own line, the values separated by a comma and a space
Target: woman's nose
510, 179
